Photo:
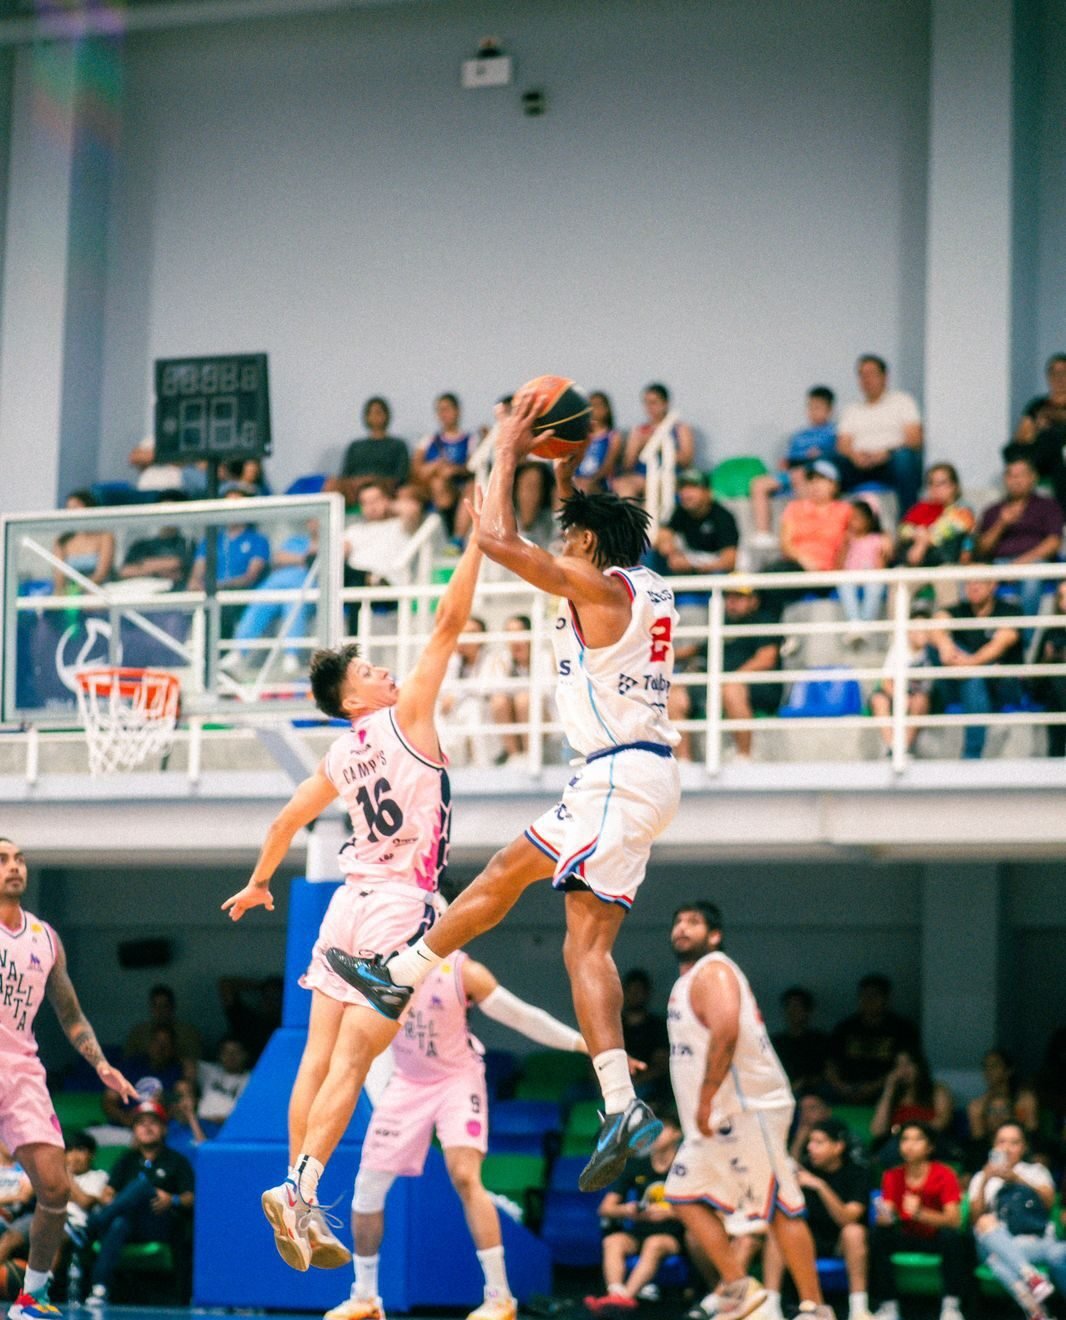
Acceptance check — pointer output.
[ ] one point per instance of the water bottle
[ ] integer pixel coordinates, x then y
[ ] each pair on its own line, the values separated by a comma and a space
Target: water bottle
74, 1279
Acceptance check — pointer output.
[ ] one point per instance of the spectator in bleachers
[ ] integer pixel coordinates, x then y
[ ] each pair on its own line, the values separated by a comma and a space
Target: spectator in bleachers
247, 472
604, 450
377, 547
1023, 528
910, 1095
378, 456
162, 1012
818, 439
939, 528
1043, 427
289, 571
997, 644
814, 526
158, 562
190, 479
919, 689
1004, 1100
534, 491
866, 546
160, 1061
656, 398
701, 536
638, 1221
812, 1108
802, 1049
221, 1084
836, 1194
748, 655
645, 1037
880, 439
148, 1198
863, 1047
465, 711
185, 1132
92, 554
253, 1009
1010, 1206
444, 454
243, 557
919, 1210
1050, 690
510, 705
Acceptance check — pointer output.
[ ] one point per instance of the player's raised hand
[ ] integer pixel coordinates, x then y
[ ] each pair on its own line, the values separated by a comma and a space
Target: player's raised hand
515, 431
566, 467
473, 507
251, 896
635, 1066
114, 1081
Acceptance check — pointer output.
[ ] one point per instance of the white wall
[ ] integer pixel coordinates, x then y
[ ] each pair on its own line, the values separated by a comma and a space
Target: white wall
729, 197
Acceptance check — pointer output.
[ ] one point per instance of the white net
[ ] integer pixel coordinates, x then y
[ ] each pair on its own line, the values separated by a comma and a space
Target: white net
128, 714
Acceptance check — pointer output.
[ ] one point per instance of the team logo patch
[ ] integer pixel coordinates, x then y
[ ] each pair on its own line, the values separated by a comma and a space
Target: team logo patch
35, 963
473, 1128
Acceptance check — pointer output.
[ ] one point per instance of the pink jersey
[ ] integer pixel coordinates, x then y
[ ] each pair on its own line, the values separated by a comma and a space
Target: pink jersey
434, 1040
27, 956
399, 802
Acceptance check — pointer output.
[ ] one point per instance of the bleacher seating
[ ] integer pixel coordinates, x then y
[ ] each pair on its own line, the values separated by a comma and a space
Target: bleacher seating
524, 1127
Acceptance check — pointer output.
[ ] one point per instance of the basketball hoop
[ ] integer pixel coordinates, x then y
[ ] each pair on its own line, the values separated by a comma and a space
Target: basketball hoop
128, 714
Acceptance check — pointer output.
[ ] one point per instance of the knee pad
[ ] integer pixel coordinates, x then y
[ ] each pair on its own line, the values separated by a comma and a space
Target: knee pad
371, 1188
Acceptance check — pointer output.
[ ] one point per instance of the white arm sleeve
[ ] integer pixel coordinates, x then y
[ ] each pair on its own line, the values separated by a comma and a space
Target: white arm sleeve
515, 1013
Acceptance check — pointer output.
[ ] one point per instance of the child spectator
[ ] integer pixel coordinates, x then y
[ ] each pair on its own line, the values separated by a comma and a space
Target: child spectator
866, 547
919, 690
818, 439
919, 1210
638, 1221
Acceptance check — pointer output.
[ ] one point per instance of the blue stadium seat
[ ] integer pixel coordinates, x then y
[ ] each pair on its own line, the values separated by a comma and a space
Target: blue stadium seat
832, 1274
310, 484
835, 697
570, 1228
522, 1127
674, 1272
565, 1172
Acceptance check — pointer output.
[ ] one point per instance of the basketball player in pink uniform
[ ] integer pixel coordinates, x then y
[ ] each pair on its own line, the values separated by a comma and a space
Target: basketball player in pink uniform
438, 1083
389, 772
33, 964
613, 641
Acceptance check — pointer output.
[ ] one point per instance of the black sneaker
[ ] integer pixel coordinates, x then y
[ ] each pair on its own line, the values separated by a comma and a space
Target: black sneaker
370, 976
629, 1133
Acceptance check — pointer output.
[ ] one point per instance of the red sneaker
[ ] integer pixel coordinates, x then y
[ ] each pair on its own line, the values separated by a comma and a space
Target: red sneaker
610, 1302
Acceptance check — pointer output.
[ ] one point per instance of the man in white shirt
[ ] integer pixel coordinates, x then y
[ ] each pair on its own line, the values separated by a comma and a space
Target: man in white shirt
880, 439
222, 1083
1010, 1206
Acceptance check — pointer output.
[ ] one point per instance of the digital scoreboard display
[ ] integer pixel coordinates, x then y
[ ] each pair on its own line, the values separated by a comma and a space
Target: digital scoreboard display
211, 407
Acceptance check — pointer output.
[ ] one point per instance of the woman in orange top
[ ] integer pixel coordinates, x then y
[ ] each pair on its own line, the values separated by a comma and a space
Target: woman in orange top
814, 528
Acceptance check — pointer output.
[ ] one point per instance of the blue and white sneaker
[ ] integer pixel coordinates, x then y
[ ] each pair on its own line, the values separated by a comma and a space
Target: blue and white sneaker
28, 1307
371, 977
629, 1133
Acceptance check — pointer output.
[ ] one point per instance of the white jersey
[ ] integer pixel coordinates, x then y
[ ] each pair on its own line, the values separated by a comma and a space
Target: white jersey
399, 802
755, 1081
611, 696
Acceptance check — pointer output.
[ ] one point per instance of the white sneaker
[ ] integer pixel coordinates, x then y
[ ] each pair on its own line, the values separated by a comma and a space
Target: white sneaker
288, 1215
1039, 1285
887, 1311
495, 1308
357, 1308
97, 1298
737, 1300
950, 1311
328, 1252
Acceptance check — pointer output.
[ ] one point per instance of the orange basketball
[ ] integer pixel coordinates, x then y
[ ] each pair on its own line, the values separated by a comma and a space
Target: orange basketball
562, 408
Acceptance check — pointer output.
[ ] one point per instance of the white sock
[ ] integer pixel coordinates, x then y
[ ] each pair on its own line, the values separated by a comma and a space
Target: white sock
617, 1290
947, 1303
612, 1072
773, 1304
858, 1304
710, 1303
36, 1281
805, 1308
366, 1278
305, 1174
411, 966
495, 1272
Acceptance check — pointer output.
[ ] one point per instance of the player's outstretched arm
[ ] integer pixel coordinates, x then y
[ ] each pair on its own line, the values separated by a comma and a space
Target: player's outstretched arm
495, 1002
309, 801
62, 996
497, 528
416, 705
716, 1002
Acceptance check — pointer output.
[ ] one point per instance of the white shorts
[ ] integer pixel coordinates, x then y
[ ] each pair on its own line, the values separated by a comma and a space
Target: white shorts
408, 1112
365, 919
744, 1169
599, 836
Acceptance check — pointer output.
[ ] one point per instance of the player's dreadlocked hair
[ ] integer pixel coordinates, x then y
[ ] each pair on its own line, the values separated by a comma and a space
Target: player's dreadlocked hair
327, 678
620, 526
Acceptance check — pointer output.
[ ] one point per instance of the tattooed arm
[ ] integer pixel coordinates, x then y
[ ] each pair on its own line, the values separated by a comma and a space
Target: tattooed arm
64, 1000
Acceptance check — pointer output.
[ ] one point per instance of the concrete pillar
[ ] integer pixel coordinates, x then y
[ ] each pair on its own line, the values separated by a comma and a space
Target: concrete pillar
969, 238
960, 932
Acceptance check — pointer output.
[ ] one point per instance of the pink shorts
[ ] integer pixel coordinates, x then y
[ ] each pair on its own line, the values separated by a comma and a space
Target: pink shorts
27, 1117
408, 1112
367, 919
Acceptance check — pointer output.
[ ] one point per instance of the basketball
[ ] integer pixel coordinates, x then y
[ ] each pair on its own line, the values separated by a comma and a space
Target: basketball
562, 408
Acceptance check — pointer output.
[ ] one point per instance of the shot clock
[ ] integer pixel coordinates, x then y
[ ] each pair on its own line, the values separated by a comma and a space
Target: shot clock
211, 408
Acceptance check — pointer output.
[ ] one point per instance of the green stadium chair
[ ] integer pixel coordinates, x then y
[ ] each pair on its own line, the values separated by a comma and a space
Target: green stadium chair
78, 1109
548, 1075
147, 1258
858, 1119
917, 1275
732, 478
515, 1176
107, 1157
581, 1128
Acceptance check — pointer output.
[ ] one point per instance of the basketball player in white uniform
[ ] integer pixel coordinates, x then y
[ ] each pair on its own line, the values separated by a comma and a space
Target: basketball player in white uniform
33, 964
613, 641
388, 771
439, 1085
735, 1105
